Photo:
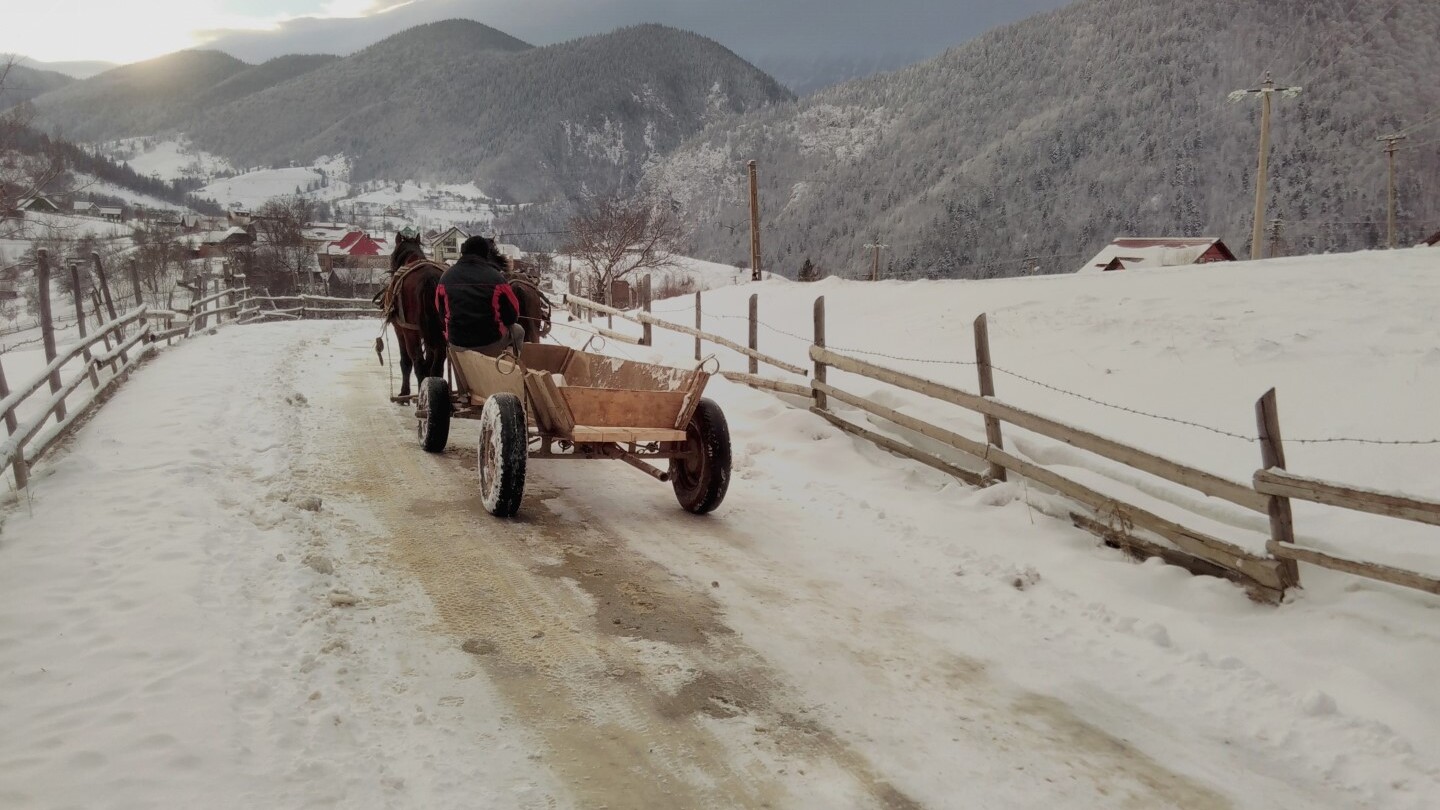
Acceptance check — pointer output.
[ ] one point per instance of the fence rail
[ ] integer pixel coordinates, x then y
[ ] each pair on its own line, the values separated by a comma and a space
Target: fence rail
1117, 522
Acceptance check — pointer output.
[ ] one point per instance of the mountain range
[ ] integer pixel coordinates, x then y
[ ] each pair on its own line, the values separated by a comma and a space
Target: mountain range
453, 101
1036, 144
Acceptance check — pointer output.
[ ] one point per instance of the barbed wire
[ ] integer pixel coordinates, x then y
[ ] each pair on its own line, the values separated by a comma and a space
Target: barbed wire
1074, 394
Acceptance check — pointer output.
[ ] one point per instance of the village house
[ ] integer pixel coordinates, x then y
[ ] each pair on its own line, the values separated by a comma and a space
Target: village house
113, 214
445, 247
38, 203
85, 208
1134, 253
355, 249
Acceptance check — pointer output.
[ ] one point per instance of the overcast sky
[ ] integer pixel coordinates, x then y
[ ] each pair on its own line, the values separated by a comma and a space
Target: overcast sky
129, 30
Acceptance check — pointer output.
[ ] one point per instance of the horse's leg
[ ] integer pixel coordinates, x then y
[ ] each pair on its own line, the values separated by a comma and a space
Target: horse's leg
405, 365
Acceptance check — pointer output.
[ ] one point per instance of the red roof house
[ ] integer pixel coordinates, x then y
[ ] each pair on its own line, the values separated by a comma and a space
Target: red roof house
1137, 253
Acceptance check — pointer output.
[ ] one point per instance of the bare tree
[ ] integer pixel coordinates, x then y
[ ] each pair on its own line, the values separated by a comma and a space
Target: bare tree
282, 258
616, 238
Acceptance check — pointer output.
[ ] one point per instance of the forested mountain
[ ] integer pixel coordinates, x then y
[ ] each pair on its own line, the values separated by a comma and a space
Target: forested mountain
160, 94
452, 101
38, 163
21, 83
1037, 143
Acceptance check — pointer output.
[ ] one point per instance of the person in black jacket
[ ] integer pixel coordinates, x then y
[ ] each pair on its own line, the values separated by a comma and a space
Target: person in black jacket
480, 311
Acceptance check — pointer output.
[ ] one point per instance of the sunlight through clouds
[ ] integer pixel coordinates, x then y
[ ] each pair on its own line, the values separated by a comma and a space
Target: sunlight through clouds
118, 31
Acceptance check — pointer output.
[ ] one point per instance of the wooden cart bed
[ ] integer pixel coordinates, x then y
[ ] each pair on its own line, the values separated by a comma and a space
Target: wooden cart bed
585, 397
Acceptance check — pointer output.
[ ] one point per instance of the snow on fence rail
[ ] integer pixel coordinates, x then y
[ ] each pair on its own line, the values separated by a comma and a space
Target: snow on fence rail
250, 309
1265, 576
126, 339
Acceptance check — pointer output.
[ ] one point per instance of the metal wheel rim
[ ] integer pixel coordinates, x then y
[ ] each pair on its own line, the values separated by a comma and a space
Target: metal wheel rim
689, 474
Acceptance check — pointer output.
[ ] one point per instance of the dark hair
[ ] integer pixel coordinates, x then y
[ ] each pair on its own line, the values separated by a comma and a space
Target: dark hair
481, 246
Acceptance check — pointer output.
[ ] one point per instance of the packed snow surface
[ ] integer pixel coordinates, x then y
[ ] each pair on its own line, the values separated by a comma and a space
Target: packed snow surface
244, 585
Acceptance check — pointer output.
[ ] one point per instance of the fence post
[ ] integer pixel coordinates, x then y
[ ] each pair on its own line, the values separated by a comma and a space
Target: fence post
647, 337
819, 376
699, 326
754, 331
109, 302
135, 282
80, 322
1272, 456
47, 325
99, 316
11, 423
987, 389
22, 475
104, 286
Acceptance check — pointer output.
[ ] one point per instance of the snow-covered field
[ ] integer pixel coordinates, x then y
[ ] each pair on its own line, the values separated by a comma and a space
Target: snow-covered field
166, 158
253, 188
181, 626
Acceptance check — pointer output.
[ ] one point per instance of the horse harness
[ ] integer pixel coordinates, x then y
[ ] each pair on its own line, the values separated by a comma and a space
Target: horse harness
390, 301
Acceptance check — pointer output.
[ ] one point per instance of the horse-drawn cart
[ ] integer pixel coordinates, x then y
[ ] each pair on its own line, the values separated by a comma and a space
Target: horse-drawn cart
562, 403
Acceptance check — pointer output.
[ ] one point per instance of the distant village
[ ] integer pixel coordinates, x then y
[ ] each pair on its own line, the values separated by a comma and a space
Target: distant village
347, 258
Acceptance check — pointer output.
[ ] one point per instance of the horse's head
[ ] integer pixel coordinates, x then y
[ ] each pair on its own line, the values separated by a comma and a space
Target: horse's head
407, 249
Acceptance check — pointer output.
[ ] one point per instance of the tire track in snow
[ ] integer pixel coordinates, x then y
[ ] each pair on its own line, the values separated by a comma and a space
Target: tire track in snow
644, 696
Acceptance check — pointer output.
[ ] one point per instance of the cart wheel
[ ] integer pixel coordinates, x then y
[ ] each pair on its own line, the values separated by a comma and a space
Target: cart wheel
503, 451
434, 426
702, 476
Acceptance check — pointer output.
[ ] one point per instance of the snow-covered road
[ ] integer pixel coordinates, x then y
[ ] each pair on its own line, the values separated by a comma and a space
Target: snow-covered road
244, 585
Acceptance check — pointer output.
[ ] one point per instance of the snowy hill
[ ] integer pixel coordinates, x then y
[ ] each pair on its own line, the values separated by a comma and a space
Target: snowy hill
1107, 118
295, 606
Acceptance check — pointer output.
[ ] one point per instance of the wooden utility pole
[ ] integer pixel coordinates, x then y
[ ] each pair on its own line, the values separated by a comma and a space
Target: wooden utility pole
1390, 150
754, 221
877, 246
1265, 91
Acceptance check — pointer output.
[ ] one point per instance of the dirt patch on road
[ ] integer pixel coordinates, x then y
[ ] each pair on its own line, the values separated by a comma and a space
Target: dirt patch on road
643, 695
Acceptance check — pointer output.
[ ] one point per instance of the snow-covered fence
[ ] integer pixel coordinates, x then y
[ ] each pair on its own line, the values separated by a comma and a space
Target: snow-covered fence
27, 441
104, 358
254, 309
647, 320
1116, 522
1278, 486
1113, 520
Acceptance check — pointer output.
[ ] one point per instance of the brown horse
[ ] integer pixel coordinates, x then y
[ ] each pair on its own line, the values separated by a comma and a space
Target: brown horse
410, 310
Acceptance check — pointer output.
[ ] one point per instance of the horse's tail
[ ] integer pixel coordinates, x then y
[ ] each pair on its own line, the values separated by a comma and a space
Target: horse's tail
432, 328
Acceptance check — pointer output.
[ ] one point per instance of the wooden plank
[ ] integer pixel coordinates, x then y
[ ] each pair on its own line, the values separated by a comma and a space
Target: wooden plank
1199, 480
987, 388
47, 327
605, 407
1369, 570
900, 448
1262, 570
610, 334
820, 344
625, 435
754, 332
9, 403
779, 386
1272, 454
1142, 549
1280, 483
939, 434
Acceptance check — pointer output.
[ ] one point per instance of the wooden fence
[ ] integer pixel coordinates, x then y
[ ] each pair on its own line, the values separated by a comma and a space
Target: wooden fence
1136, 530
116, 345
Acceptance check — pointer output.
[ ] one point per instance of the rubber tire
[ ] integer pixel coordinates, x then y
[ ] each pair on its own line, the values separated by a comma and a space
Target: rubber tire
700, 490
504, 449
434, 428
